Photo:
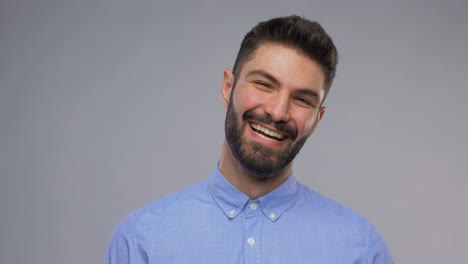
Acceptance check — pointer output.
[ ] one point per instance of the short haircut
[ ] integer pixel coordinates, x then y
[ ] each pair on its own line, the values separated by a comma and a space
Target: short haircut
307, 37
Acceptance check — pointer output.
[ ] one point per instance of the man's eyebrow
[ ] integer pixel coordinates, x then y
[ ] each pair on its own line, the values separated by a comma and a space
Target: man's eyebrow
264, 74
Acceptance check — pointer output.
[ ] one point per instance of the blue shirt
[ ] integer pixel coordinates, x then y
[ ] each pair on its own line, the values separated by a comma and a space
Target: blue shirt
213, 222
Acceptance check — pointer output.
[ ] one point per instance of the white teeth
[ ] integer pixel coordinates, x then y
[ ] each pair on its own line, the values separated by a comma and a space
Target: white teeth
267, 131
265, 137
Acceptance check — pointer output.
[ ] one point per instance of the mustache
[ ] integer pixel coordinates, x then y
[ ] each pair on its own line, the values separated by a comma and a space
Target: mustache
281, 126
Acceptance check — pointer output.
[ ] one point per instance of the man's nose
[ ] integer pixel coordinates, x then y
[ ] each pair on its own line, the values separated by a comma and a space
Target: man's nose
278, 107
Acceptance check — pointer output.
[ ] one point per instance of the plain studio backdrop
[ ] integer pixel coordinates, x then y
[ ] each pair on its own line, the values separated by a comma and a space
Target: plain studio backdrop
108, 105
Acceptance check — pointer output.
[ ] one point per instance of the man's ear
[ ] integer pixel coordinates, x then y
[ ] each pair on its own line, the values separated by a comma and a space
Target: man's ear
226, 86
320, 115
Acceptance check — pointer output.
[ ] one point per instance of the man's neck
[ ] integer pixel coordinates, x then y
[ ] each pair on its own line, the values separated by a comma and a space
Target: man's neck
252, 185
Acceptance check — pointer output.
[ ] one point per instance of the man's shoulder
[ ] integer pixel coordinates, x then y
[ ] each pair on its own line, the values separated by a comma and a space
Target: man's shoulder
338, 219
334, 223
161, 208
328, 209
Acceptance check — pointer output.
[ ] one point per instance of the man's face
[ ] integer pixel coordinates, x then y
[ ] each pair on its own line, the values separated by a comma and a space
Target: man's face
273, 108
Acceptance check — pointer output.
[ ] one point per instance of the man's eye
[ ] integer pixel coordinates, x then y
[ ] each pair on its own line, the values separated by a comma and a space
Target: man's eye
303, 101
263, 84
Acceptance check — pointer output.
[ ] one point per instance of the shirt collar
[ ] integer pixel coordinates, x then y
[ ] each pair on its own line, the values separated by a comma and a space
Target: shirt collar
232, 201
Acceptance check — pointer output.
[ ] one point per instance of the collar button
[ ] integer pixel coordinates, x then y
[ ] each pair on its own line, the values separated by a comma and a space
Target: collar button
272, 216
232, 213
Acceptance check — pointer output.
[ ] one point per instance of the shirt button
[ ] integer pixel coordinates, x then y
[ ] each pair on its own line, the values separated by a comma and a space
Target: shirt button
253, 206
232, 213
251, 241
272, 216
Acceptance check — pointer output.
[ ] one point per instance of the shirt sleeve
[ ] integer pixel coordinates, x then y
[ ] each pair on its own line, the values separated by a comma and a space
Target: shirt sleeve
122, 248
378, 250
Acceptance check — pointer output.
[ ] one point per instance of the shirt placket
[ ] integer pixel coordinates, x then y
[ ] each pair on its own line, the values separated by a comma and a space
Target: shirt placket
252, 227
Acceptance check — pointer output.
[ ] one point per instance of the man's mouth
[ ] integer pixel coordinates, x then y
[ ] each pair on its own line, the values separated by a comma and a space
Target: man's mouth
266, 133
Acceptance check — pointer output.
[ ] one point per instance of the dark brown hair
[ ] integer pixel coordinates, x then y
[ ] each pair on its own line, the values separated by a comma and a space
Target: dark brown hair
307, 37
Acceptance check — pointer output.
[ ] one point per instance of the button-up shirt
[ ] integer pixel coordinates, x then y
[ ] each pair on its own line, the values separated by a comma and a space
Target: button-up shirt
213, 222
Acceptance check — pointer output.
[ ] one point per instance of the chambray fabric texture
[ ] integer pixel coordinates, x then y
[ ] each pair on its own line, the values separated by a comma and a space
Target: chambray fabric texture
213, 222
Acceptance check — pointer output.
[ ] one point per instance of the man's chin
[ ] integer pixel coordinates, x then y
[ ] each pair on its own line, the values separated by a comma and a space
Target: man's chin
265, 172
262, 164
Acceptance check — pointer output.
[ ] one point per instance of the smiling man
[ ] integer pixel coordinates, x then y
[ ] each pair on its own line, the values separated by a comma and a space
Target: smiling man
273, 107
252, 209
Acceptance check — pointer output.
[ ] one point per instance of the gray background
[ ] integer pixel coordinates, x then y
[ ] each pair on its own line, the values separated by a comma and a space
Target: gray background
108, 105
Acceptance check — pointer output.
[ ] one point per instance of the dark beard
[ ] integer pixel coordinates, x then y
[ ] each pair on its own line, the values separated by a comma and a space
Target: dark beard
260, 160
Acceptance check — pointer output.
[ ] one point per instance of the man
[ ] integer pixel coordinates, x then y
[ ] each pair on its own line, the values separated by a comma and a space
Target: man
252, 209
